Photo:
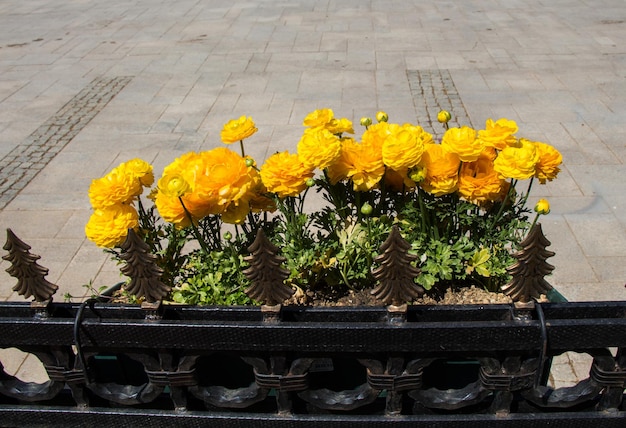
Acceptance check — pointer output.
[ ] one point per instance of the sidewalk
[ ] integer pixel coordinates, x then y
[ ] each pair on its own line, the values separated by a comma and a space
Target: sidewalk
87, 85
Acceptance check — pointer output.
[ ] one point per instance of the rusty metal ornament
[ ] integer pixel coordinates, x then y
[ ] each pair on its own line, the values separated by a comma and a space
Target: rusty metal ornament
396, 274
141, 268
30, 276
528, 273
265, 273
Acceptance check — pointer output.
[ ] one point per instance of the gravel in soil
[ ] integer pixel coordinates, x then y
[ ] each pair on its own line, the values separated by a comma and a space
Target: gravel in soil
461, 296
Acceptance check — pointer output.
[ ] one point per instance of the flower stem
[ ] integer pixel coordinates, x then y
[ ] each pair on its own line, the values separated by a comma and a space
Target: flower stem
194, 229
504, 202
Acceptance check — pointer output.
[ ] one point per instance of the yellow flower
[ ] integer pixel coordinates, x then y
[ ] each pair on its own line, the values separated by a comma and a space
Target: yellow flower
285, 174
139, 169
441, 170
463, 142
479, 182
403, 148
224, 177
318, 118
236, 213
498, 134
108, 227
172, 211
549, 160
542, 206
117, 187
360, 163
216, 178
173, 185
444, 116
398, 180
376, 135
339, 126
238, 129
318, 148
517, 162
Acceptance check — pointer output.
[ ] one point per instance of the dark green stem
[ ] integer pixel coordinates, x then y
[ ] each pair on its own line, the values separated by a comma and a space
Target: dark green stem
194, 229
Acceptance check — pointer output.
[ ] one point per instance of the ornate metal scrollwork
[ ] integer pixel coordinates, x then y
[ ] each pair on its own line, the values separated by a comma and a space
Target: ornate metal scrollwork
30, 276
56, 364
265, 273
528, 273
141, 268
396, 274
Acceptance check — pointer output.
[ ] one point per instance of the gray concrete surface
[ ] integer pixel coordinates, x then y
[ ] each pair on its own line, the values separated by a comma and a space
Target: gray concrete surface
557, 68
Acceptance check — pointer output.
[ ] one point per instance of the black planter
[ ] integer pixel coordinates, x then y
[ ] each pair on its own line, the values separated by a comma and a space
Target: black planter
235, 366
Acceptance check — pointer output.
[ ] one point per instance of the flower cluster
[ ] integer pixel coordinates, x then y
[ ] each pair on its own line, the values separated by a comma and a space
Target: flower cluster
456, 200
113, 197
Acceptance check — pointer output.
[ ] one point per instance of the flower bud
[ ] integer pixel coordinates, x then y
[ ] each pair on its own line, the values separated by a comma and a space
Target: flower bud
228, 236
366, 209
542, 207
310, 182
444, 116
366, 121
381, 116
250, 162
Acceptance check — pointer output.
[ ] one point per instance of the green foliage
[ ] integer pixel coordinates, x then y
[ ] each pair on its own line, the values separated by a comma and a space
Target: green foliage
213, 279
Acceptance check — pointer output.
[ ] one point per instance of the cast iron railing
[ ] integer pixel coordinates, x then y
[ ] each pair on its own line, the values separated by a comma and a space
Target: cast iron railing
109, 365
274, 366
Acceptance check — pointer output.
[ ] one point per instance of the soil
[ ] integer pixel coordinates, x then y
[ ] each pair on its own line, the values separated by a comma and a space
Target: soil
460, 296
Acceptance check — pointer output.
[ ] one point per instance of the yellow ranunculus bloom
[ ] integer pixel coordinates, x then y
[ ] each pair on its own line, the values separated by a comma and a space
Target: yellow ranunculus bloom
360, 163
238, 129
398, 181
463, 142
140, 169
172, 211
236, 213
216, 178
173, 185
340, 126
117, 187
441, 170
498, 134
108, 227
285, 174
318, 148
479, 182
517, 162
376, 135
225, 176
403, 148
318, 118
549, 160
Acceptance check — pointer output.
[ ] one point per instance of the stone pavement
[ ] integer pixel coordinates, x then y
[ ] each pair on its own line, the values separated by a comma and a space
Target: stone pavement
87, 85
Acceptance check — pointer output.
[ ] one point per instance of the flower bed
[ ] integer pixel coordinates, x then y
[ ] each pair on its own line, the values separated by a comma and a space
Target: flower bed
459, 203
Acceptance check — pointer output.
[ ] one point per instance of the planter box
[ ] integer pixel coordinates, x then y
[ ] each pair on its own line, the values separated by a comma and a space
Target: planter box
362, 367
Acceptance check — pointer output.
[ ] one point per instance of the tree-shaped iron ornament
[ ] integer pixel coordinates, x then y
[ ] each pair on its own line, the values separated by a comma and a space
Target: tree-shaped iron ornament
528, 273
141, 268
396, 274
30, 276
265, 273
